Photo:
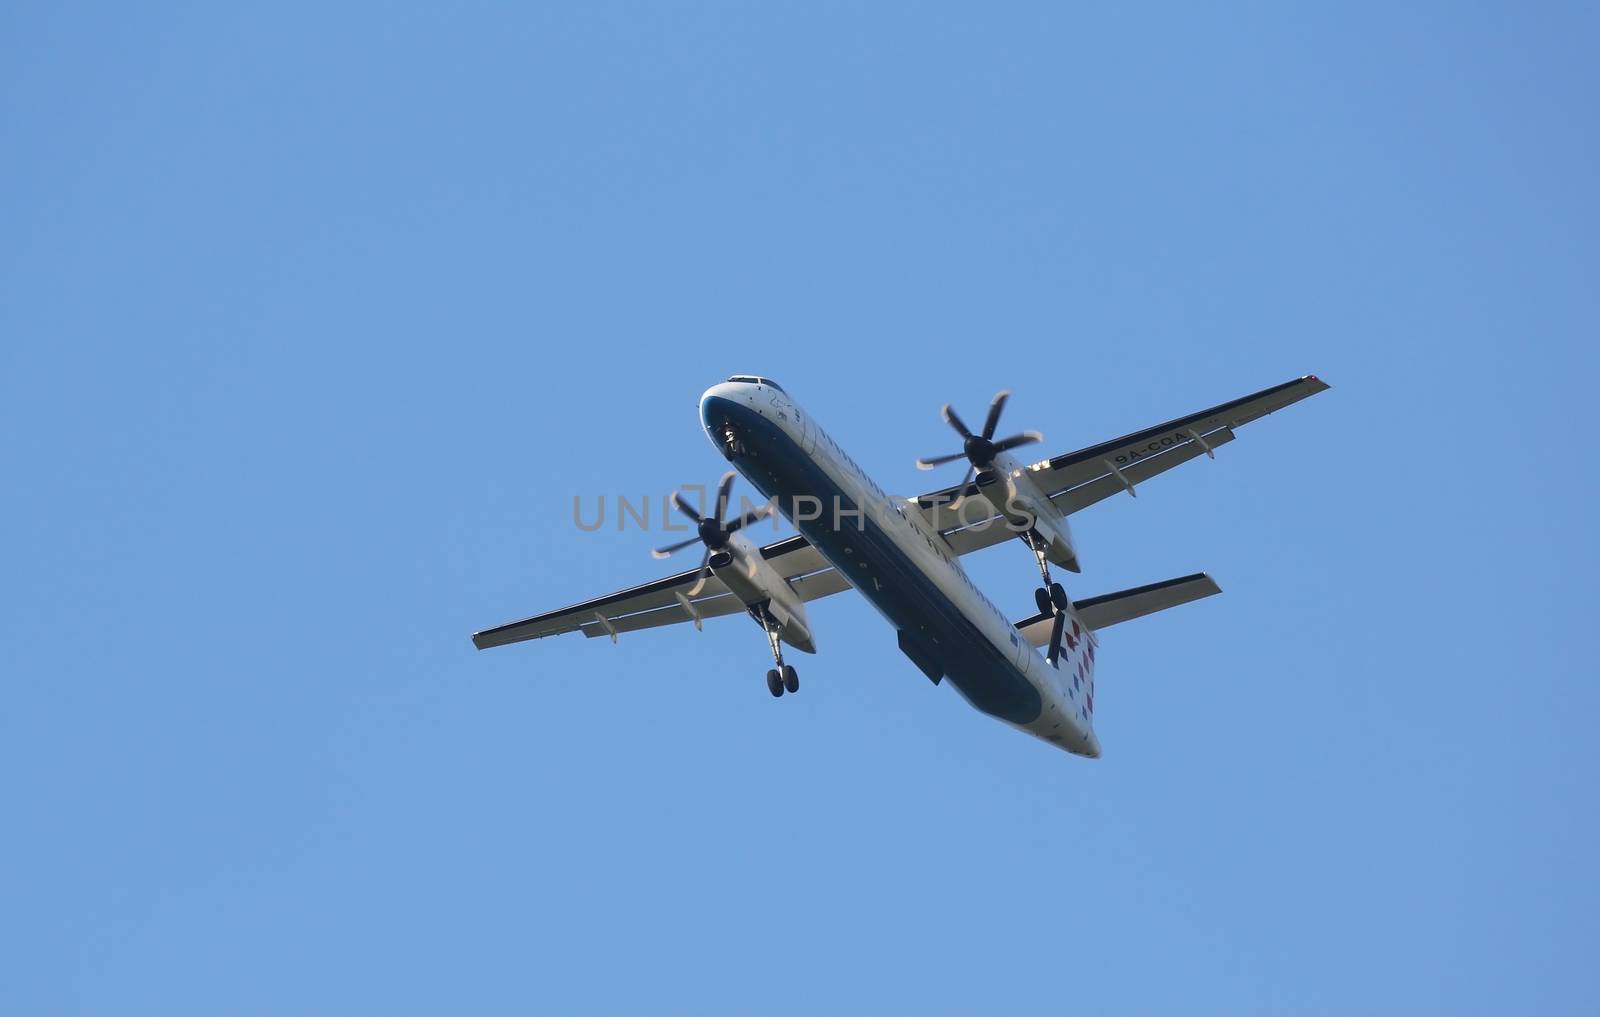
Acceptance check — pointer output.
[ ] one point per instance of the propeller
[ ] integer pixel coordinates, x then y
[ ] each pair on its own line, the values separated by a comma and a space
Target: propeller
712, 531
980, 449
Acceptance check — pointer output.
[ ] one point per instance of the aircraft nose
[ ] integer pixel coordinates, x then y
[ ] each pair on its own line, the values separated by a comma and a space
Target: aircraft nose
720, 404
729, 418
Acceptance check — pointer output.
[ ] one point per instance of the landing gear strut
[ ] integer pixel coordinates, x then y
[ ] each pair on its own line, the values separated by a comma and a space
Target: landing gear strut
1051, 597
782, 678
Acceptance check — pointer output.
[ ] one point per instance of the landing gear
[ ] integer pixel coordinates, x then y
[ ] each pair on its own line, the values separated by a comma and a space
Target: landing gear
783, 678
1050, 597
732, 446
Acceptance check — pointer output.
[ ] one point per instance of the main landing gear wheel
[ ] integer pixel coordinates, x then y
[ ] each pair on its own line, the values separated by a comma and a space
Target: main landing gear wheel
775, 683
791, 680
1041, 599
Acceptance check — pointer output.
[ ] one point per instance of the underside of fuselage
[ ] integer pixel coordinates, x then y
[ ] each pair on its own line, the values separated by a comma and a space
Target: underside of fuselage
876, 565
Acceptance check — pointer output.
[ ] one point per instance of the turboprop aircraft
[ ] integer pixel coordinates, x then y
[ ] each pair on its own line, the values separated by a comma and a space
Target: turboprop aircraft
904, 555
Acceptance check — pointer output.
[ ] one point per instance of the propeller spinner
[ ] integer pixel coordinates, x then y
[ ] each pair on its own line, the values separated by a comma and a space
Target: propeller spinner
980, 449
713, 530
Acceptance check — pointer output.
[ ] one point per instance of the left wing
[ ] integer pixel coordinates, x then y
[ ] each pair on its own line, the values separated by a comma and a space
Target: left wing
666, 601
1076, 480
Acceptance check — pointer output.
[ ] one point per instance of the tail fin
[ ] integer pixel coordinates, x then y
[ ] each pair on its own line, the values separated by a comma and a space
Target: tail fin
1071, 634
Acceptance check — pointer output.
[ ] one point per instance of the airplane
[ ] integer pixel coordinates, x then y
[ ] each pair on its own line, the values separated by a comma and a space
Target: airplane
904, 555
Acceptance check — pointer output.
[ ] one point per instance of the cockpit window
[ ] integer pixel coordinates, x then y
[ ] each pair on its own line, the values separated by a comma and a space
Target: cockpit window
750, 379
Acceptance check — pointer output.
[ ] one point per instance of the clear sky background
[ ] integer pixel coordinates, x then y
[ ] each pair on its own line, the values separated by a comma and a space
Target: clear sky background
314, 320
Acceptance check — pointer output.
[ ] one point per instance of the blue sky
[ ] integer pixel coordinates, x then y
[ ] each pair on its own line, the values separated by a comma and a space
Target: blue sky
315, 320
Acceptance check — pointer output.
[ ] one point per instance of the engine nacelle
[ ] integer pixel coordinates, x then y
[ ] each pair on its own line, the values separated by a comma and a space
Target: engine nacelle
1011, 490
1053, 532
749, 577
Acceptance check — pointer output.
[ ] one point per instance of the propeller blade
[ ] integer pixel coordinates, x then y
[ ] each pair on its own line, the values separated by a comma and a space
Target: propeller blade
1018, 440
700, 580
724, 486
972, 471
928, 464
755, 515
993, 419
683, 506
955, 421
667, 552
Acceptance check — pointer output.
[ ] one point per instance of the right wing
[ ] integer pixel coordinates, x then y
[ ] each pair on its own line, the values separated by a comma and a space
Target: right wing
1076, 480
657, 603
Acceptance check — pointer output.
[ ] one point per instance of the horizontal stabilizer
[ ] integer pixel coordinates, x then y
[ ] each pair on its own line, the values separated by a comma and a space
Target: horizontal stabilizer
1103, 612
